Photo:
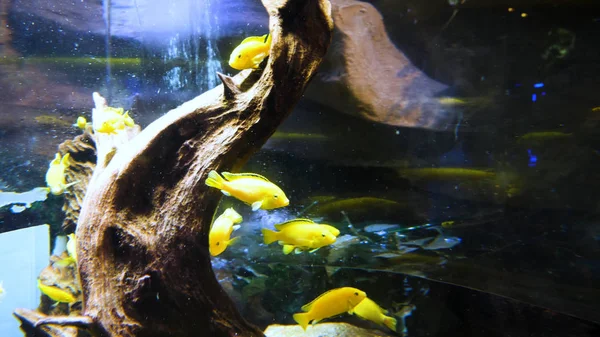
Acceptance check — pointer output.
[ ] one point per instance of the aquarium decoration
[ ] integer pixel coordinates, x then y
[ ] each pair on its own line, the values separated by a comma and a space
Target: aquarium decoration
142, 232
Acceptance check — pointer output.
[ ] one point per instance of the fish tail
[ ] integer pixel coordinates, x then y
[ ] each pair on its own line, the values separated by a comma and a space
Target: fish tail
233, 241
269, 236
215, 180
71, 184
302, 319
390, 322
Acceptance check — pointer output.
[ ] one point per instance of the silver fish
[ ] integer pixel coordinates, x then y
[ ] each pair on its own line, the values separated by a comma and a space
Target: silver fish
434, 243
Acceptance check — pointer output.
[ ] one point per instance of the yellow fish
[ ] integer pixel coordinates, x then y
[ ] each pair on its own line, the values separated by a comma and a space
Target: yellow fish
81, 122
55, 176
251, 52
56, 294
111, 120
250, 188
302, 221
301, 234
331, 303
369, 310
221, 229
107, 128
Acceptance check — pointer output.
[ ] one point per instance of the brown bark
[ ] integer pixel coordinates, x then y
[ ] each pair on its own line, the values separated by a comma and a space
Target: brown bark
83, 161
143, 229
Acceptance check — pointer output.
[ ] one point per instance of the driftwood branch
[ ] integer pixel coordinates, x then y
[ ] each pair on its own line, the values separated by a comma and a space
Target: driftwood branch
77, 321
143, 229
32, 326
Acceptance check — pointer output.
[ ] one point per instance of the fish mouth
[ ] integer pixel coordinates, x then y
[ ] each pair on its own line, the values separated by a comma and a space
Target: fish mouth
286, 202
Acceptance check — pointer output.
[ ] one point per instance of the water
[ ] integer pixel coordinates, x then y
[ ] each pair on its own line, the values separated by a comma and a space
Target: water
199, 47
458, 158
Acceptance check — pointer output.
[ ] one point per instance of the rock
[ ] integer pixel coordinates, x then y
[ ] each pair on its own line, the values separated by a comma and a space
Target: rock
321, 329
364, 74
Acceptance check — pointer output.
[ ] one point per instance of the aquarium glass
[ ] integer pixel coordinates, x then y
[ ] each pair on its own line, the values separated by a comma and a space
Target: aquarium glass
446, 153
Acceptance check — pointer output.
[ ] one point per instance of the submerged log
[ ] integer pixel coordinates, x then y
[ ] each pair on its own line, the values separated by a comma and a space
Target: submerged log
143, 229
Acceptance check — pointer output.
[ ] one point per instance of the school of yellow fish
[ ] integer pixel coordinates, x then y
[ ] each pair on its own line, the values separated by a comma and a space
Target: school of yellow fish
296, 235
110, 121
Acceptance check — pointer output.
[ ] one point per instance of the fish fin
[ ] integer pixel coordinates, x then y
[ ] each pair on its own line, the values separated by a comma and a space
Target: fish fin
297, 251
215, 180
308, 306
67, 261
71, 184
333, 230
233, 215
261, 39
302, 319
259, 58
351, 306
294, 221
233, 241
227, 194
56, 159
269, 236
314, 250
234, 176
390, 322
315, 321
287, 249
236, 227
128, 120
256, 205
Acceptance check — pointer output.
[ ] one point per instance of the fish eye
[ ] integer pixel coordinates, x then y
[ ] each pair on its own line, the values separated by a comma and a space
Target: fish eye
275, 196
356, 294
240, 55
323, 235
218, 243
